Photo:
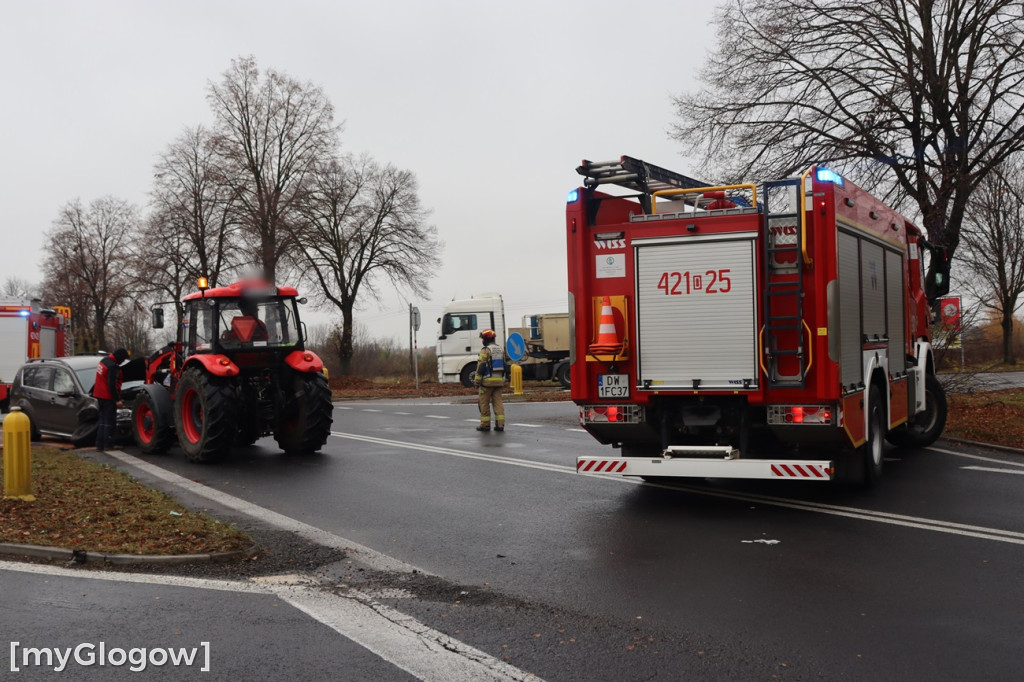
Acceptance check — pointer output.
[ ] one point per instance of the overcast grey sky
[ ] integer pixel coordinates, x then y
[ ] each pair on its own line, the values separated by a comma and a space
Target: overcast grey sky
491, 105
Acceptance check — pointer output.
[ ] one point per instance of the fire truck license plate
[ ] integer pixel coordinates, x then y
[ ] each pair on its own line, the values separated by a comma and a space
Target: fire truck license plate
612, 385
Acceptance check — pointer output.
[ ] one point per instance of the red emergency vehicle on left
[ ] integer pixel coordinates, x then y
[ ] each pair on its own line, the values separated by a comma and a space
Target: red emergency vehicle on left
27, 330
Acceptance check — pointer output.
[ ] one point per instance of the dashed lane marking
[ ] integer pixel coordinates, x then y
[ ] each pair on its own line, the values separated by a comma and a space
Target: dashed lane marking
1018, 472
962, 529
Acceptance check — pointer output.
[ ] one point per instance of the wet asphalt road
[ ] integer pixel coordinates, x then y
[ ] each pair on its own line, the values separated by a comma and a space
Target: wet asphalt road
574, 577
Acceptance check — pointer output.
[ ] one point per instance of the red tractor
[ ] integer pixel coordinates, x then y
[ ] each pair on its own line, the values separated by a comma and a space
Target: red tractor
237, 371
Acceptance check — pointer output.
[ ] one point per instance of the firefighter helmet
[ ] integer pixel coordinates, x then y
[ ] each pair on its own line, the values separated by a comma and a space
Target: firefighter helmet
487, 335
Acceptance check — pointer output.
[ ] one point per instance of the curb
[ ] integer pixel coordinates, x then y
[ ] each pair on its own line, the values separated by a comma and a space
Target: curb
79, 556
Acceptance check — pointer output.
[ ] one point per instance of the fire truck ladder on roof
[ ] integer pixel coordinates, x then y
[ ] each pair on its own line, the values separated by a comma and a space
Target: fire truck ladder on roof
636, 175
783, 295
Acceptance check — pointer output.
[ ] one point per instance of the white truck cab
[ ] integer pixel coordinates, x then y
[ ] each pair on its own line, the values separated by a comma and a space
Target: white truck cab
458, 339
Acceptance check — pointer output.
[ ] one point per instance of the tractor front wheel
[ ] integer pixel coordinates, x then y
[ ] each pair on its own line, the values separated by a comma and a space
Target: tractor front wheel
204, 409
149, 428
307, 416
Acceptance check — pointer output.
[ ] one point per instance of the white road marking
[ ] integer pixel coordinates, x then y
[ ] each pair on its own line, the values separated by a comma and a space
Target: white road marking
578, 430
981, 532
397, 638
1019, 472
529, 426
981, 458
436, 416
369, 410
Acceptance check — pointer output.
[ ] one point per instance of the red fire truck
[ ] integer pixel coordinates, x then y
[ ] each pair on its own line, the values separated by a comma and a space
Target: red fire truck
29, 331
772, 331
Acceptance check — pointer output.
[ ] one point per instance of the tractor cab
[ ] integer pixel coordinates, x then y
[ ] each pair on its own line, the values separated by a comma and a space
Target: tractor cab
231, 325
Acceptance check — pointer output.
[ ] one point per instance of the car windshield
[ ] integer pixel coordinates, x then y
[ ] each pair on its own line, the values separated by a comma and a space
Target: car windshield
248, 323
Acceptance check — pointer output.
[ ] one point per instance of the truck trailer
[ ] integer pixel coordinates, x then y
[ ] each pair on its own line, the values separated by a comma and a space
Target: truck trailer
777, 330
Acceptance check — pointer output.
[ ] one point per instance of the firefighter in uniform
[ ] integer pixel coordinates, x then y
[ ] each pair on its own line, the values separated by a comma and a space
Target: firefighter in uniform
107, 391
490, 378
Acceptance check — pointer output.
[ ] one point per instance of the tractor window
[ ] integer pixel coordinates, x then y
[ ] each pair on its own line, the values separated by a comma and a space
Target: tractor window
204, 328
458, 323
247, 323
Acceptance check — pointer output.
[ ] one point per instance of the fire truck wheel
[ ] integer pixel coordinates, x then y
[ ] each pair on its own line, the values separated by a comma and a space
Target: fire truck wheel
872, 450
204, 409
924, 428
152, 437
307, 415
466, 375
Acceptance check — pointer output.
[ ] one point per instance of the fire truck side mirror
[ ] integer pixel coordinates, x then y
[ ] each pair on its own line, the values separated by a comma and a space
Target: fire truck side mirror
158, 318
937, 281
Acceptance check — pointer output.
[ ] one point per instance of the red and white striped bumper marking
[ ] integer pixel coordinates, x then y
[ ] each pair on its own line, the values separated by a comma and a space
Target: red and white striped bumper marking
601, 466
800, 471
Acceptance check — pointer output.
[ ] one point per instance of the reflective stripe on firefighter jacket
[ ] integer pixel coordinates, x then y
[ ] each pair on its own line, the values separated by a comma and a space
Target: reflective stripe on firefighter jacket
490, 366
108, 380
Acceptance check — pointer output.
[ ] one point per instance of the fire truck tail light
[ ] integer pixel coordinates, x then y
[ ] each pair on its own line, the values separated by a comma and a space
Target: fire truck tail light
799, 414
610, 414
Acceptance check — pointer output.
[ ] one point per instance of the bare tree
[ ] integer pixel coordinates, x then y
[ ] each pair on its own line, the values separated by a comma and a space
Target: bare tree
271, 131
17, 287
196, 202
192, 231
916, 99
131, 329
363, 225
87, 250
993, 249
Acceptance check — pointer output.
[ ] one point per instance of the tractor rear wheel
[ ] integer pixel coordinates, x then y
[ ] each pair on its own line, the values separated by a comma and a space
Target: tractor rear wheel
307, 415
204, 411
150, 433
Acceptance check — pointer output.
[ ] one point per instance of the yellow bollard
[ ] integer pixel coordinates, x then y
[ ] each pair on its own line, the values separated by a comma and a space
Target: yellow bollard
18, 456
517, 380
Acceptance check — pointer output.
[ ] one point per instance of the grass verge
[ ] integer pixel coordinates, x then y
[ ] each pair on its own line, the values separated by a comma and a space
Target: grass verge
84, 505
990, 417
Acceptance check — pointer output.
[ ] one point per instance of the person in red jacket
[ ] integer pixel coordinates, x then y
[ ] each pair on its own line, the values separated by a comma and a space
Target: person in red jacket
107, 391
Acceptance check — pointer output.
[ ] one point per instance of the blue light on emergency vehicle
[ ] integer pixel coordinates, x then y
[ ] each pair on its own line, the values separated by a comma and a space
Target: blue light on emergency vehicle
23, 313
573, 196
829, 175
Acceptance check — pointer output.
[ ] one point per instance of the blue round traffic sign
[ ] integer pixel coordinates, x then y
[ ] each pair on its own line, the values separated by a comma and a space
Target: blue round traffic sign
515, 346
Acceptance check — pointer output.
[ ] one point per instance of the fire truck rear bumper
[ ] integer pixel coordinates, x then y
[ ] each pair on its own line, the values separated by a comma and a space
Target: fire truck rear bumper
705, 467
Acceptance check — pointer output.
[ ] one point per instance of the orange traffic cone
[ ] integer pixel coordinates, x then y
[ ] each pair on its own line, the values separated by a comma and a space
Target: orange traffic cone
608, 342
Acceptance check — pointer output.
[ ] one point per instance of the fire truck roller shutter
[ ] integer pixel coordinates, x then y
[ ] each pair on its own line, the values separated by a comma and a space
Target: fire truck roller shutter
697, 312
896, 322
872, 283
850, 336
